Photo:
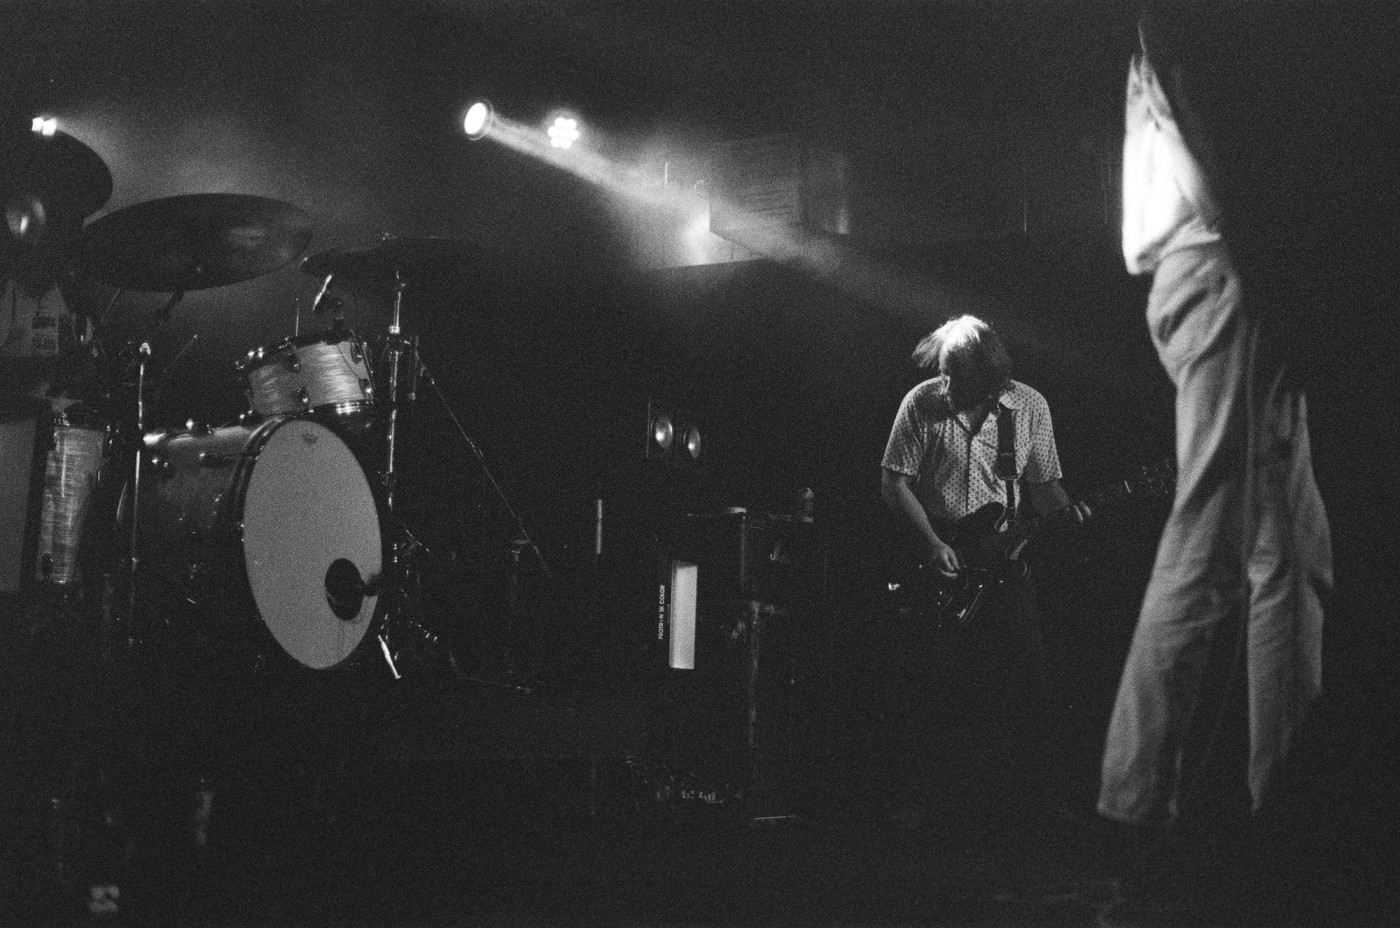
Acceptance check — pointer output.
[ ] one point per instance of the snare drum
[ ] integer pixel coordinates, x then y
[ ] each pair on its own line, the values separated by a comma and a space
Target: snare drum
272, 527
328, 375
71, 474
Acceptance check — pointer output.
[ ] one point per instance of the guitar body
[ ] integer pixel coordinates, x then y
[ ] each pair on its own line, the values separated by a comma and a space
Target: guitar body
989, 545
980, 538
985, 548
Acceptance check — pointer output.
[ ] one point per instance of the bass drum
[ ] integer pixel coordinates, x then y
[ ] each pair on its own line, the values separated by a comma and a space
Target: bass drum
272, 527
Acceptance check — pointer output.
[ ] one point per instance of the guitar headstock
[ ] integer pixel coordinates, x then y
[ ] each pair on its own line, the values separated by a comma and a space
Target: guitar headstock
1152, 480
1157, 479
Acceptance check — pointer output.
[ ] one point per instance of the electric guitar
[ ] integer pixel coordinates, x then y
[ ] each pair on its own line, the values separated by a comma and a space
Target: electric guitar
989, 544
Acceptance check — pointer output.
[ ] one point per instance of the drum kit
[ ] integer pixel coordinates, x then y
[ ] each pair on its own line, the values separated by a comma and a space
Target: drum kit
273, 537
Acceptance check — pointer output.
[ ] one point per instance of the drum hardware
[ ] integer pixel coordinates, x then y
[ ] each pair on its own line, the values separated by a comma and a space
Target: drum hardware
395, 346
390, 262
320, 303
396, 264
216, 460
133, 550
165, 380
520, 541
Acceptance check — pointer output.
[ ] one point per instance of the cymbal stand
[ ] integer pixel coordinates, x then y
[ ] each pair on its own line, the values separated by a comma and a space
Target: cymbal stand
520, 538
395, 349
398, 571
133, 555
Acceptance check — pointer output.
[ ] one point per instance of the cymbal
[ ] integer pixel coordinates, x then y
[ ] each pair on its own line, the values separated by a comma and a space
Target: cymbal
64, 173
194, 241
390, 258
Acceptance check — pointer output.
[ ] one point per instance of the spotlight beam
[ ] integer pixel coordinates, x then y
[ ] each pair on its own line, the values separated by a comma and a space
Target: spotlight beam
895, 291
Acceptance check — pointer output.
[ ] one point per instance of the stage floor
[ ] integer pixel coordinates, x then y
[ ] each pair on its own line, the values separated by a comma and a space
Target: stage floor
465, 802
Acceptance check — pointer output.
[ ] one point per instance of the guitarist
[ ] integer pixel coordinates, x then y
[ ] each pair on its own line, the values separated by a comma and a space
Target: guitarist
940, 466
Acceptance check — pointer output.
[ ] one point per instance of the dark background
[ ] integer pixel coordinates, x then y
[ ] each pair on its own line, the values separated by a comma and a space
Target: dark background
983, 137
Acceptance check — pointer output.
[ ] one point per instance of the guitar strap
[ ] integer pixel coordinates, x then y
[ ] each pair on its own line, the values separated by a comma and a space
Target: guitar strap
1006, 454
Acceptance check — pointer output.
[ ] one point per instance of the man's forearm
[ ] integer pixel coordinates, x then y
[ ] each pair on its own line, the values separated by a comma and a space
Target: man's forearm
1047, 498
905, 505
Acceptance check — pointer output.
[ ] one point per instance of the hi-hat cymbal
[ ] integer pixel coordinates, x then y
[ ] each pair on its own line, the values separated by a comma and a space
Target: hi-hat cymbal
61, 171
390, 259
194, 241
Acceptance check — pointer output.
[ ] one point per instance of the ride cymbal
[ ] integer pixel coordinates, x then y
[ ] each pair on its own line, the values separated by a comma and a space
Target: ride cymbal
194, 241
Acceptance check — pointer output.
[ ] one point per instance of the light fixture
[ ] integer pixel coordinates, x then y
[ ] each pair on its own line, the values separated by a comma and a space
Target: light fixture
478, 119
26, 217
45, 126
563, 132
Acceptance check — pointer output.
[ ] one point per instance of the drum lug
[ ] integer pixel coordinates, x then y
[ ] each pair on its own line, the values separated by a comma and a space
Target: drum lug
253, 357
366, 386
304, 398
293, 363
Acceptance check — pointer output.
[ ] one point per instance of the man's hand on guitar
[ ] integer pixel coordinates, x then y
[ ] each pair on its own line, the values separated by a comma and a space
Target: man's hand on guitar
942, 558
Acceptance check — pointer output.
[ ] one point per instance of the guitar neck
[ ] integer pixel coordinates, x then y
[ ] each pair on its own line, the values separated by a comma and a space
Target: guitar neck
1153, 482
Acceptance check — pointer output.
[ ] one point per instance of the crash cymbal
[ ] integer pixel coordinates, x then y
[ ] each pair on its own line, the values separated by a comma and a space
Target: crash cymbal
390, 258
69, 178
194, 241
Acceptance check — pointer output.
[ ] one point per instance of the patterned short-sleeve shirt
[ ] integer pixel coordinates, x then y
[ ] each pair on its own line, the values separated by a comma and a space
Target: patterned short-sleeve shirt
955, 470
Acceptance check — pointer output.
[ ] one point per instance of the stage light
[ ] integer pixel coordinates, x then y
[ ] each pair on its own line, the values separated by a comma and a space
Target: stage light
478, 119
563, 132
45, 126
26, 218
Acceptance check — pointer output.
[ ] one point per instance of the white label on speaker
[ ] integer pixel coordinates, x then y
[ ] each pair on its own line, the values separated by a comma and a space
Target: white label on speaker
685, 588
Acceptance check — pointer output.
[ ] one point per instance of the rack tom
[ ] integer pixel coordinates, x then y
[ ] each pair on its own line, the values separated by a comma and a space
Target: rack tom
327, 376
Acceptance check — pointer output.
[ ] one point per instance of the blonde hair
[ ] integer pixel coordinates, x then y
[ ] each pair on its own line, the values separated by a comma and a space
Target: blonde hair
969, 337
